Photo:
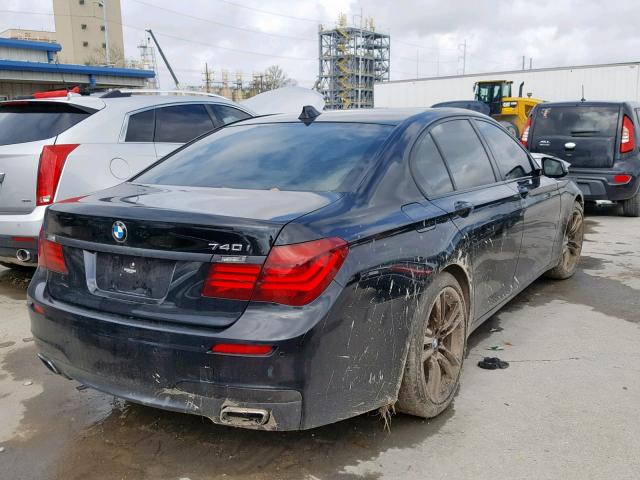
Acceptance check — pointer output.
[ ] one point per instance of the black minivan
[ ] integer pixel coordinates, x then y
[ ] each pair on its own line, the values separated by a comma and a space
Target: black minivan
600, 141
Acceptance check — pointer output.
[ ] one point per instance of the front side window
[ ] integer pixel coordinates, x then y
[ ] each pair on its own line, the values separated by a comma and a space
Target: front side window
429, 169
466, 157
510, 157
181, 123
319, 157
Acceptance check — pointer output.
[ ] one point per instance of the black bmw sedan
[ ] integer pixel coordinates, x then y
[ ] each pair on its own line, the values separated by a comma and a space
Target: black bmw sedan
288, 272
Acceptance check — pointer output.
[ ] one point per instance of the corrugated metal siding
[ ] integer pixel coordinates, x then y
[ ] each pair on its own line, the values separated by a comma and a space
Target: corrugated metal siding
7, 53
602, 82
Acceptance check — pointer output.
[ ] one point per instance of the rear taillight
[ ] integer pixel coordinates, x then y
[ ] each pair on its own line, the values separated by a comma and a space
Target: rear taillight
50, 255
230, 280
52, 160
524, 139
292, 274
628, 138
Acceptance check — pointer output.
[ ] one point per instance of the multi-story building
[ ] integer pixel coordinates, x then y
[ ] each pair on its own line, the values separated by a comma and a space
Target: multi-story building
83, 33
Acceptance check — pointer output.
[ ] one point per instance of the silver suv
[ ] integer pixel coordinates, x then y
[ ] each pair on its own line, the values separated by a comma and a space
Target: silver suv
55, 148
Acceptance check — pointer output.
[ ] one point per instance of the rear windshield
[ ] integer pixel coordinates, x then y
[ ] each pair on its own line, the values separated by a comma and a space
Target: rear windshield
22, 122
587, 121
284, 156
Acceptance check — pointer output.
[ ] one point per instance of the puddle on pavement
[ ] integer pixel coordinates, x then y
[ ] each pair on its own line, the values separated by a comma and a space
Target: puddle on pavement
87, 434
14, 282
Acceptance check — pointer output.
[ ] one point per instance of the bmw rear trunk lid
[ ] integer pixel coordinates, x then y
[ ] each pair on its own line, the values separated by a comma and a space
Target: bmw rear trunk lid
145, 251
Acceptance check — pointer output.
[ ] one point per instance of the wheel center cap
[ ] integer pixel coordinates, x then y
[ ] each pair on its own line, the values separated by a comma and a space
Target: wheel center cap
434, 344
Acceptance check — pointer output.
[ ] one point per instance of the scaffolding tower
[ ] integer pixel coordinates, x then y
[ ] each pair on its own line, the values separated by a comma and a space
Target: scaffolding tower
148, 62
351, 60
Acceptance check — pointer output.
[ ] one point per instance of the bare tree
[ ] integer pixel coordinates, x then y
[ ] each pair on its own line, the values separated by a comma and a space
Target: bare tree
274, 77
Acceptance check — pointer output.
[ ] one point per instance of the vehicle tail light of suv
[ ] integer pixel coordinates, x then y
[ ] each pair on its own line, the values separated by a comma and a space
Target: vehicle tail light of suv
52, 160
292, 274
524, 139
628, 138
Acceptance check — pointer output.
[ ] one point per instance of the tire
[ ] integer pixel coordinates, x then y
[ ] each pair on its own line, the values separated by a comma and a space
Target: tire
424, 393
510, 127
631, 207
571, 245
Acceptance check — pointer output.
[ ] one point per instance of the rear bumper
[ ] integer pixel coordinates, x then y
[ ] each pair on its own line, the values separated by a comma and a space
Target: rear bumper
597, 184
316, 374
20, 232
13, 246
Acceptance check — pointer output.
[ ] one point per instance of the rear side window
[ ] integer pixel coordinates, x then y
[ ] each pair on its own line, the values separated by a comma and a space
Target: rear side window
229, 114
462, 150
182, 123
140, 127
275, 156
429, 169
22, 122
511, 158
579, 121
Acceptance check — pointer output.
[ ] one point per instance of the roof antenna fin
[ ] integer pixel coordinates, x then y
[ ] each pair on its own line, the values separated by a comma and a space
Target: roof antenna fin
308, 114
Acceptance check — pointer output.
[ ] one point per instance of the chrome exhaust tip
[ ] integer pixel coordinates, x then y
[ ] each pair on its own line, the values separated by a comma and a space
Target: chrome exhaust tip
23, 255
243, 417
49, 364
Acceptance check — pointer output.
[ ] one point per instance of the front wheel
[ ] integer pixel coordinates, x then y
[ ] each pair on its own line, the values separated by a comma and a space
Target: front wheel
571, 245
436, 352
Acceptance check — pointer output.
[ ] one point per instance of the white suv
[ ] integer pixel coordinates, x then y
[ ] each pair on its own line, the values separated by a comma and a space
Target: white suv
56, 148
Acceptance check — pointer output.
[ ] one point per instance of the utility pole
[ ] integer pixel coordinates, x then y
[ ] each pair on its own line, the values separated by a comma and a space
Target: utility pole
530, 63
438, 61
417, 63
522, 62
207, 78
103, 4
166, 62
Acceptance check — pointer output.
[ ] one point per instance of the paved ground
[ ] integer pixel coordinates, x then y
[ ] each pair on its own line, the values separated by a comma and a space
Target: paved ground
566, 408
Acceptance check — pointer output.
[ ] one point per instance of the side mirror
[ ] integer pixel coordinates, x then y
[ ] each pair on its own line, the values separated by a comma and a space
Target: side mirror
554, 167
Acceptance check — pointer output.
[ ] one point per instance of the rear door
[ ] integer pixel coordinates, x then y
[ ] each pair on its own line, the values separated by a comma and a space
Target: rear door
582, 134
486, 210
179, 124
25, 128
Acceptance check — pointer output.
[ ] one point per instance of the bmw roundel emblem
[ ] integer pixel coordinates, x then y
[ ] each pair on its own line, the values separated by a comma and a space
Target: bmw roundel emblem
119, 231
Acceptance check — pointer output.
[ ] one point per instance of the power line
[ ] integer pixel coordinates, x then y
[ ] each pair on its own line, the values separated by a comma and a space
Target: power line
221, 24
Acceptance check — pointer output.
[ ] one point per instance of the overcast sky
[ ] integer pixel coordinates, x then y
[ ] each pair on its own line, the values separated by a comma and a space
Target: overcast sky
250, 35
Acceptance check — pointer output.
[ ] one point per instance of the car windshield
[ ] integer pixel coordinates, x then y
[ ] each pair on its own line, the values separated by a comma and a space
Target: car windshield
283, 156
577, 121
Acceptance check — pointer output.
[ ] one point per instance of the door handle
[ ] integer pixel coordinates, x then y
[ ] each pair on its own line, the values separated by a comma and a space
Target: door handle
462, 209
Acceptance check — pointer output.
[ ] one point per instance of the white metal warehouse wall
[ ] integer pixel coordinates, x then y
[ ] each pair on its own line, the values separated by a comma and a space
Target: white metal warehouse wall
601, 82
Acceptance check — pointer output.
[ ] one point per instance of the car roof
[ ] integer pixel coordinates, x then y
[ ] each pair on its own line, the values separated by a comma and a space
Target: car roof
383, 116
129, 103
589, 103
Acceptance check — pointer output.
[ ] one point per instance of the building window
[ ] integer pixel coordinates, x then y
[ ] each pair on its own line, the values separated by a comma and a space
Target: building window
81, 2
102, 27
83, 26
85, 44
104, 45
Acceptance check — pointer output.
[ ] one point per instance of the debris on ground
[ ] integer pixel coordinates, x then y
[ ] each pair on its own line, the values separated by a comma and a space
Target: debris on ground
385, 413
492, 363
27, 339
1, 449
7, 344
28, 383
495, 348
496, 329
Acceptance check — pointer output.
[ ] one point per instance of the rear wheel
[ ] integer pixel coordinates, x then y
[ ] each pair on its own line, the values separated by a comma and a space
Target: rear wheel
631, 207
510, 127
571, 245
436, 352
